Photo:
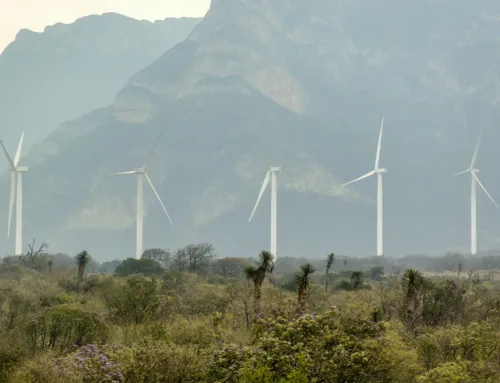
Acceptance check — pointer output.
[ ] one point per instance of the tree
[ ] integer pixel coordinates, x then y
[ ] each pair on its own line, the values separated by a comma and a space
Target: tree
193, 258
110, 267
345, 262
34, 255
230, 267
180, 261
303, 280
50, 263
377, 273
257, 274
330, 260
460, 268
199, 256
82, 259
162, 256
357, 279
412, 283
144, 266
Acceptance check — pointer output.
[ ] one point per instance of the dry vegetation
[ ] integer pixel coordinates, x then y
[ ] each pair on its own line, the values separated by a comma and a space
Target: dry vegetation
228, 322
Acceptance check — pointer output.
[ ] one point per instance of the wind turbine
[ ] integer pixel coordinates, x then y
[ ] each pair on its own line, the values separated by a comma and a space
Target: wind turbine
270, 176
380, 201
473, 198
16, 194
141, 174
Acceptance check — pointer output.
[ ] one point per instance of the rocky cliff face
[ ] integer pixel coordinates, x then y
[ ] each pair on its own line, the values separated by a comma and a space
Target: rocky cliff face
305, 83
69, 69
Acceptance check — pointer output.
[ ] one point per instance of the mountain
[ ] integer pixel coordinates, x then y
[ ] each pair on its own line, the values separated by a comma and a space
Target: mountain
68, 69
306, 83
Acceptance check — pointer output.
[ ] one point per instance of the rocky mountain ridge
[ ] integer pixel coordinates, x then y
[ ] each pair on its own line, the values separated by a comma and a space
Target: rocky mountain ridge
307, 83
68, 69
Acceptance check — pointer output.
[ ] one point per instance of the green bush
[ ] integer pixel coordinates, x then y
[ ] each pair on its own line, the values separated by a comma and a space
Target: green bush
328, 347
142, 266
63, 327
136, 300
163, 362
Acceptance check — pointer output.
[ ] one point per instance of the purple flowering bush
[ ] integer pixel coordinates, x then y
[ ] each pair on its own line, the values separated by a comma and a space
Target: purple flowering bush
97, 364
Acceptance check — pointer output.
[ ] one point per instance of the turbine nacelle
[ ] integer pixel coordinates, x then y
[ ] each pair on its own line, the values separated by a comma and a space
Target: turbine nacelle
21, 169
384, 170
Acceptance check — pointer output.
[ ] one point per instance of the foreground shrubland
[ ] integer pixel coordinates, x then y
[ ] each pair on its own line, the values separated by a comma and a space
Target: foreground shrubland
180, 326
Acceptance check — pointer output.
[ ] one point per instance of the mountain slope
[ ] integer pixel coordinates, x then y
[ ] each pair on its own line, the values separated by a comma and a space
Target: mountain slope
47, 78
306, 83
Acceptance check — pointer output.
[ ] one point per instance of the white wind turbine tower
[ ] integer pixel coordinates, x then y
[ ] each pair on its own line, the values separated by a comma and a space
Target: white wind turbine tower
380, 201
141, 174
270, 176
473, 198
16, 194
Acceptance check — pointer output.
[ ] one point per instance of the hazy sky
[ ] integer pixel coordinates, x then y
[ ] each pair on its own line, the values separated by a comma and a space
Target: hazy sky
37, 14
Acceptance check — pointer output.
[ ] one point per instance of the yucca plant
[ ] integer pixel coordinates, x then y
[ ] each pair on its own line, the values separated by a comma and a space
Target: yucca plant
257, 274
303, 280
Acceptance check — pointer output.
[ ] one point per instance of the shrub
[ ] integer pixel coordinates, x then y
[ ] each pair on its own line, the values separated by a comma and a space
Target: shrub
166, 363
136, 301
99, 363
63, 327
329, 347
139, 266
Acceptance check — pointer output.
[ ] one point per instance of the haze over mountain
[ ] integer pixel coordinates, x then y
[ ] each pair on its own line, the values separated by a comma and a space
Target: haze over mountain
68, 69
306, 82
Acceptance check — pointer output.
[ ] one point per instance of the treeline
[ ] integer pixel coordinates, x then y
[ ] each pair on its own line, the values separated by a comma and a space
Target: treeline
203, 260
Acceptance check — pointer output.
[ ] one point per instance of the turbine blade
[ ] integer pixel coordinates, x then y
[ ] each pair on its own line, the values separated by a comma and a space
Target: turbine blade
19, 149
377, 158
482, 187
262, 189
158, 197
130, 172
476, 150
13, 177
457, 174
360, 178
9, 159
154, 146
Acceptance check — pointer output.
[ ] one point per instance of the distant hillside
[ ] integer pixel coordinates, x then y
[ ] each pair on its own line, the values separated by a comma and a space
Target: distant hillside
306, 82
68, 69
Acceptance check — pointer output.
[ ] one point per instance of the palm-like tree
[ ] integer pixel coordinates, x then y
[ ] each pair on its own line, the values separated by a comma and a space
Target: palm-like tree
257, 274
82, 260
412, 282
357, 279
303, 280
330, 260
